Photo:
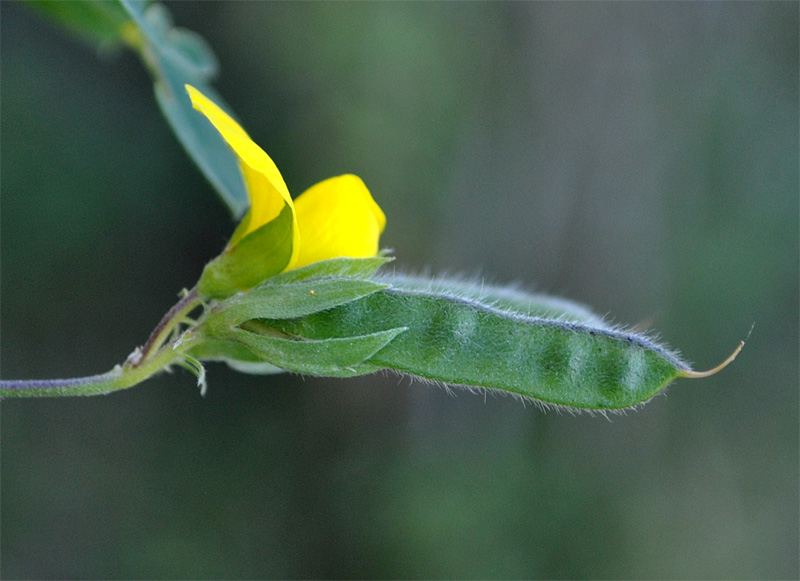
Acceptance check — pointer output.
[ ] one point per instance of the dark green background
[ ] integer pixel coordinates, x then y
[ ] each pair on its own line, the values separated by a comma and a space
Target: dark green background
639, 157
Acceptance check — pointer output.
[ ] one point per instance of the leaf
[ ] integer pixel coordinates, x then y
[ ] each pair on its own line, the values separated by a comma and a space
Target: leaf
176, 57
101, 24
326, 357
187, 49
463, 342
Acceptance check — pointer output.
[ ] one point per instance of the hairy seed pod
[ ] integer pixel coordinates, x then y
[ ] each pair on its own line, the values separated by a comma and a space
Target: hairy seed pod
506, 298
460, 341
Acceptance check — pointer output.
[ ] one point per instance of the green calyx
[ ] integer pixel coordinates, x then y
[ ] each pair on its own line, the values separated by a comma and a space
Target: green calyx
254, 258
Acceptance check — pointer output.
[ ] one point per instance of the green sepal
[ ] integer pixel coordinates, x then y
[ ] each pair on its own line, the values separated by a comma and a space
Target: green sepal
196, 368
462, 342
253, 367
101, 24
235, 354
325, 357
354, 370
333, 267
287, 301
212, 349
257, 256
176, 57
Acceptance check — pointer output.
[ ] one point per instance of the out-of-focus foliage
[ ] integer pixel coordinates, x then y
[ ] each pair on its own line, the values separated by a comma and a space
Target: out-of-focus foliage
641, 158
98, 23
176, 57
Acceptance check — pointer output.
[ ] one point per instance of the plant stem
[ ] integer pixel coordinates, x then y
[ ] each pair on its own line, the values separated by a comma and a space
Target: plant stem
173, 318
121, 377
145, 362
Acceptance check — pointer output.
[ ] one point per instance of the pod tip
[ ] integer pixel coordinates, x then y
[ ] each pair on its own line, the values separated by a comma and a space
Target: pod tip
691, 374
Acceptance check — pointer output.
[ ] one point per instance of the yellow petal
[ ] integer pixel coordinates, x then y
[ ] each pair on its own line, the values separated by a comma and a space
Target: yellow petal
265, 186
338, 218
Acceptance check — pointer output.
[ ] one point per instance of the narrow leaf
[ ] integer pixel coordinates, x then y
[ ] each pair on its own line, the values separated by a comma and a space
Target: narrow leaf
99, 23
176, 57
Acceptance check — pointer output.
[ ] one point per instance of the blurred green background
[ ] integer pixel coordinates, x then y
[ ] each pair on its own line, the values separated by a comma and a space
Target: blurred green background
639, 157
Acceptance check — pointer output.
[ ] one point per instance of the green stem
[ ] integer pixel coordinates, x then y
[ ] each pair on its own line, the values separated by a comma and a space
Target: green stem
121, 377
145, 362
172, 319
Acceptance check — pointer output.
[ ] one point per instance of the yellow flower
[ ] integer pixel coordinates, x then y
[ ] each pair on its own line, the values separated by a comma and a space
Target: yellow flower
335, 218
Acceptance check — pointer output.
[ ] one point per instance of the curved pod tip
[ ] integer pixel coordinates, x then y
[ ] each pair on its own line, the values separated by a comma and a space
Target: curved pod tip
691, 374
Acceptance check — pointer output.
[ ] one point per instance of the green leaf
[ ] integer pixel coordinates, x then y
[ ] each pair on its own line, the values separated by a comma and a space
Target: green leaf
327, 357
176, 57
259, 255
186, 49
287, 301
101, 24
333, 267
460, 341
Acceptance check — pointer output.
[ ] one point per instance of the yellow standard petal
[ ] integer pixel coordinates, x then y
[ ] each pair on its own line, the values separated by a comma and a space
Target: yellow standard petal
338, 218
265, 186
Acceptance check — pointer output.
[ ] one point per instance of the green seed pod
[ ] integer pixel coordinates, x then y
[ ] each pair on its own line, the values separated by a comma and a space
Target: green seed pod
460, 341
505, 298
